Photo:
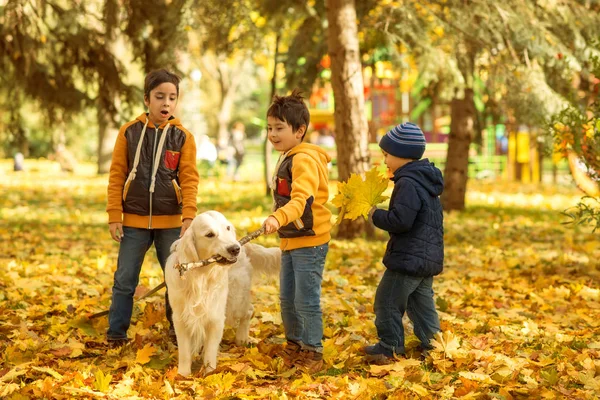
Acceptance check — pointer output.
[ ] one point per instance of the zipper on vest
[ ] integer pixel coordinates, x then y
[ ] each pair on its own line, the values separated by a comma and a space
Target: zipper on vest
152, 169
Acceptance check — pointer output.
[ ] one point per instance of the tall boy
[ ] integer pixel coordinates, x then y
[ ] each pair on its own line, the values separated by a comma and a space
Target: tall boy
152, 190
415, 251
300, 190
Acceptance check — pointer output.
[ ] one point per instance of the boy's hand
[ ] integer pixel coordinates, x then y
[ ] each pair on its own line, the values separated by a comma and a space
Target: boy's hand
116, 231
185, 225
271, 225
371, 212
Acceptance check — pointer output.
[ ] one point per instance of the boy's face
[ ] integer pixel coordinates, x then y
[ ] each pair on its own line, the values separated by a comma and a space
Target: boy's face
282, 135
162, 103
393, 162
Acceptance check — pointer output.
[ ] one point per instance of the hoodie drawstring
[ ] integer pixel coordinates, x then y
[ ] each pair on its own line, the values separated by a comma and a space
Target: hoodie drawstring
136, 160
161, 144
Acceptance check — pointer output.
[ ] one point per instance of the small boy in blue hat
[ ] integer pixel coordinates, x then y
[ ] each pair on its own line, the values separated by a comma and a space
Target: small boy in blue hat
415, 251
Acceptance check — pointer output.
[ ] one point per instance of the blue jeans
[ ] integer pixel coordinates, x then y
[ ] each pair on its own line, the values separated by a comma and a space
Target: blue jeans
134, 245
396, 294
300, 295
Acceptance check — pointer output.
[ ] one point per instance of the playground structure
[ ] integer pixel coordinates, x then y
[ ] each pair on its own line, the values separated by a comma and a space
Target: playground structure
514, 155
509, 153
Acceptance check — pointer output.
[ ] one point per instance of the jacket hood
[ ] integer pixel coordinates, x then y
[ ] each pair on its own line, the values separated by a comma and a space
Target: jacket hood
312, 150
425, 173
172, 120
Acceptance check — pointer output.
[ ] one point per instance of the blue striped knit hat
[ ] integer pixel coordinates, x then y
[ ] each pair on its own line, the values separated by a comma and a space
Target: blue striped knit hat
405, 141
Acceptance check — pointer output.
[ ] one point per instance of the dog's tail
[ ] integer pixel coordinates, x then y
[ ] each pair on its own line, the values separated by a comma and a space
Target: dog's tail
264, 259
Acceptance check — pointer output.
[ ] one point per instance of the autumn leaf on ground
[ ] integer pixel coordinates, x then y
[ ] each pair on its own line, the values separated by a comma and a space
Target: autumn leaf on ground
550, 375
102, 382
447, 343
222, 381
49, 371
157, 363
418, 389
143, 355
475, 376
467, 387
357, 196
152, 315
590, 381
519, 294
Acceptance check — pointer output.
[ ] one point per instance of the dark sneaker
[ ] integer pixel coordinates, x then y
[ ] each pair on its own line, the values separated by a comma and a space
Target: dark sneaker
309, 361
424, 352
290, 352
172, 336
116, 343
377, 354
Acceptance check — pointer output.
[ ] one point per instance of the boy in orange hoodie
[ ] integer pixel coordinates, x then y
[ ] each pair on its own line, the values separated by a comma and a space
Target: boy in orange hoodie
152, 190
300, 190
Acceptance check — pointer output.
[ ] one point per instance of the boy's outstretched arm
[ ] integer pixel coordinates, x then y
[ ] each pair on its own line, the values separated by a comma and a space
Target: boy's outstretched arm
188, 177
116, 179
271, 225
402, 213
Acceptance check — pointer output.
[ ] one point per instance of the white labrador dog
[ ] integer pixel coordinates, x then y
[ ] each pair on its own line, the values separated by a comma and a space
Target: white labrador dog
209, 297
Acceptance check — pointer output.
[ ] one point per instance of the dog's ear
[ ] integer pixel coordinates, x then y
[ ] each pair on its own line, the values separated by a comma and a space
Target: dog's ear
187, 247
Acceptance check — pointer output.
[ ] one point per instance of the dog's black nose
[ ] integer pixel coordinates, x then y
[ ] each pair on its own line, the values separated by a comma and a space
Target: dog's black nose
234, 250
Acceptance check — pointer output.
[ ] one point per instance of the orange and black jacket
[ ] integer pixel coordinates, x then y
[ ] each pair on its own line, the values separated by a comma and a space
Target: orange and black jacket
301, 190
171, 197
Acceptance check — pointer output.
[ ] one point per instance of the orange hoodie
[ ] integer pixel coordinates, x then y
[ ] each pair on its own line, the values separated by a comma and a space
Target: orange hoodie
177, 161
309, 179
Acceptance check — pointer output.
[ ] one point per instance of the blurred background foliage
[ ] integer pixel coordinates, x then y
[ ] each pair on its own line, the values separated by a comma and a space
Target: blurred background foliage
72, 71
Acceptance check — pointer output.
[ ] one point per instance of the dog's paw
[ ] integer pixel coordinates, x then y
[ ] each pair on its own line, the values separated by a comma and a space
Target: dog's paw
241, 338
184, 372
208, 369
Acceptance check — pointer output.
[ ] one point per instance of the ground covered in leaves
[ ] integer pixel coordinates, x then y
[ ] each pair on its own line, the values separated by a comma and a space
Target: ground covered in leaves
519, 302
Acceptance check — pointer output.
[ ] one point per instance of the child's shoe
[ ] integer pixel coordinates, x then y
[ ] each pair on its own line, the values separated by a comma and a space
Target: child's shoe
424, 352
309, 361
116, 343
290, 352
377, 354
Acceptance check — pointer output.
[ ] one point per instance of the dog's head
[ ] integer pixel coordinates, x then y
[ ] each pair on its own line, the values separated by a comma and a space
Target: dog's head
209, 234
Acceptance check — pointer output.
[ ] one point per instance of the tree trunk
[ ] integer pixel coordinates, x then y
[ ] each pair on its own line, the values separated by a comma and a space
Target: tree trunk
268, 146
229, 80
107, 135
462, 113
20, 141
224, 113
351, 127
224, 118
23, 142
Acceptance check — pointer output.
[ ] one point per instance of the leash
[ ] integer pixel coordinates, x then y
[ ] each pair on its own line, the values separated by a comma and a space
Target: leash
184, 267
150, 293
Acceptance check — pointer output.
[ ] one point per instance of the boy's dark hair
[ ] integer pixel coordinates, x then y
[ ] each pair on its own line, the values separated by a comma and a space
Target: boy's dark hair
157, 77
290, 109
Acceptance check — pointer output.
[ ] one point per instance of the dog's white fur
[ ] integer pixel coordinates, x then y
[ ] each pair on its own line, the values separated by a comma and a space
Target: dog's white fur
218, 294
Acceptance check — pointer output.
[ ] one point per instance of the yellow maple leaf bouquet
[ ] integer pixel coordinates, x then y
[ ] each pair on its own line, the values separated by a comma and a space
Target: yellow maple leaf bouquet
358, 195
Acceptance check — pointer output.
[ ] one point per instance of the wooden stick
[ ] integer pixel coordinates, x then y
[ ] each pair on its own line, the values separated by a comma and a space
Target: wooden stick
184, 267
150, 293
